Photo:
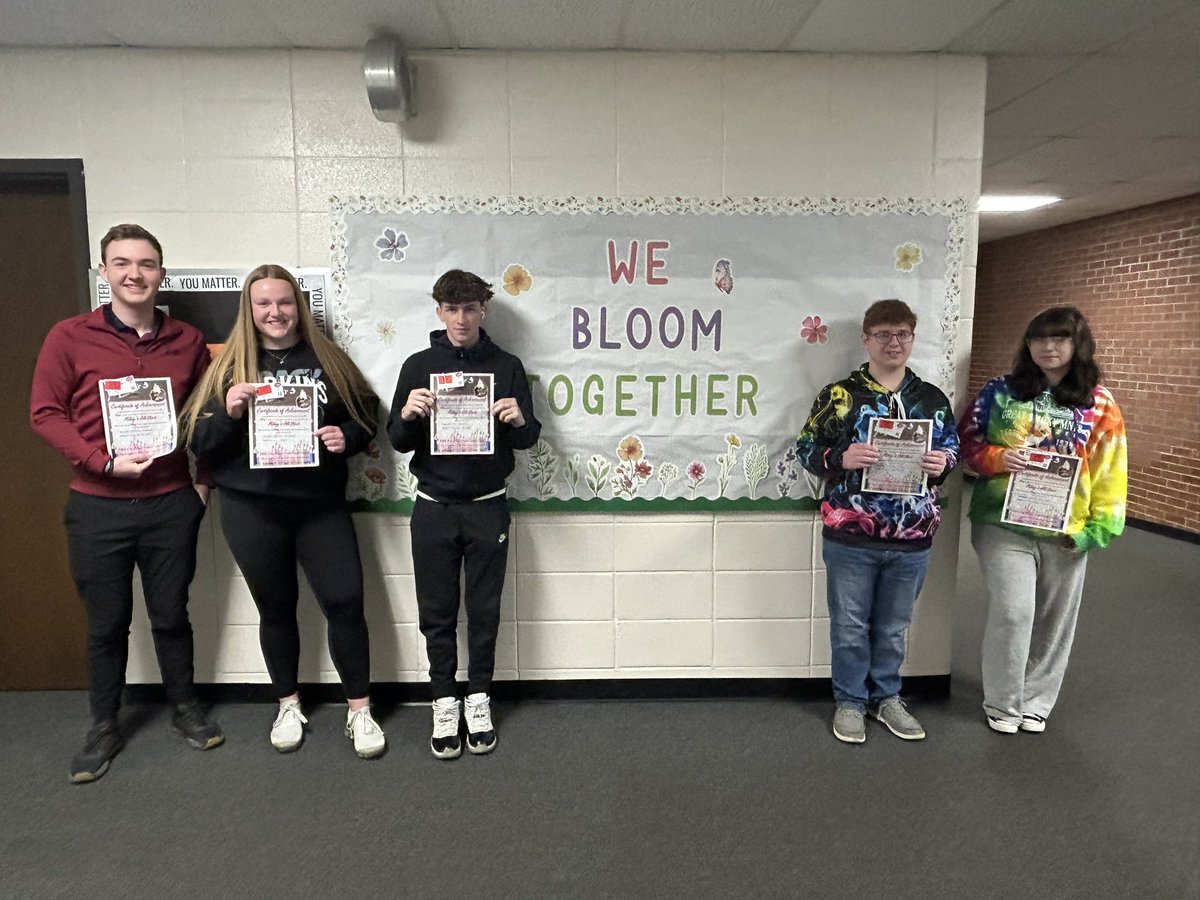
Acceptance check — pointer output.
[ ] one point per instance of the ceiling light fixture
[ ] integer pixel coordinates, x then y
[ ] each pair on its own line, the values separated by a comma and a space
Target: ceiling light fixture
1014, 202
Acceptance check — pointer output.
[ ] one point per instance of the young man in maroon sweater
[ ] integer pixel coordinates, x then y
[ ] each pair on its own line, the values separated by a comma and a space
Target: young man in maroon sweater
132, 509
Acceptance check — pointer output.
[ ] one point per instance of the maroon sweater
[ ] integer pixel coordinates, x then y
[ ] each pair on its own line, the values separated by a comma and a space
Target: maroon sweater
64, 405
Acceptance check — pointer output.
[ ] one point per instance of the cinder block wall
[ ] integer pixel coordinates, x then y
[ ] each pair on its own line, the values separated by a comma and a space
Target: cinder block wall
1136, 276
229, 158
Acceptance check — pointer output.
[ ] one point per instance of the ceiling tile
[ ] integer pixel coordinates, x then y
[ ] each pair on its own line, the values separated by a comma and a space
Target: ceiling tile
892, 26
1060, 27
307, 23
196, 23
1176, 34
53, 23
1009, 77
715, 25
1100, 86
533, 24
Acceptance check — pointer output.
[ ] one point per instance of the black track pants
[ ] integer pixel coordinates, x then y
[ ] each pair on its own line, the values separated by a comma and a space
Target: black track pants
449, 538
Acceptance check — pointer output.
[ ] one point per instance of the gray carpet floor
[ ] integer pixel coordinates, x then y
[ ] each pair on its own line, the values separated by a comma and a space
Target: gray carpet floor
695, 799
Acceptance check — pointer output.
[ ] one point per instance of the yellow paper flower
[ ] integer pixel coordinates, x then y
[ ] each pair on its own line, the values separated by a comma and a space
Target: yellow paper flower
387, 332
908, 257
733, 441
630, 448
517, 279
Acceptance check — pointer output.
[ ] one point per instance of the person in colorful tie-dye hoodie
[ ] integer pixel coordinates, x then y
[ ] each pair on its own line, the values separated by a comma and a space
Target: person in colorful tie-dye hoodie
1052, 400
876, 545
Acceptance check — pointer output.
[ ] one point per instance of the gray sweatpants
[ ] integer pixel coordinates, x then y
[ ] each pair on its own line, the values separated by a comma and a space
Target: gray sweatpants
1033, 590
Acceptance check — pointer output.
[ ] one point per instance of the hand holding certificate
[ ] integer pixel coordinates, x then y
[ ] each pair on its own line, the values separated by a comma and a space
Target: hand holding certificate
283, 426
139, 416
902, 445
1040, 494
461, 418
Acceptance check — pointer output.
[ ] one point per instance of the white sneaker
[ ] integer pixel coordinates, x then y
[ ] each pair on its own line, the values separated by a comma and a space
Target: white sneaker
287, 733
445, 742
481, 734
368, 737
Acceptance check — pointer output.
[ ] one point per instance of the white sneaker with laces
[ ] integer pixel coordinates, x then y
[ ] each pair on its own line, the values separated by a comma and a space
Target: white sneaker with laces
368, 737
445, 743
481, 733
287, 733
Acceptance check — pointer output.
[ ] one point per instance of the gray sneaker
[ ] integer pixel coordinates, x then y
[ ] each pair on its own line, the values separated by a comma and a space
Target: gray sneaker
899, 721
848, 725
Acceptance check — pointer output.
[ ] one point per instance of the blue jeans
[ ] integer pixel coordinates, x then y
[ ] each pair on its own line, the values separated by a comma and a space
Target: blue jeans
871, 595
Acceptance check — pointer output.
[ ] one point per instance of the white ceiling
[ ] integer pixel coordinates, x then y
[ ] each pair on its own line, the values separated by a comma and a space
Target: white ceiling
1097, 101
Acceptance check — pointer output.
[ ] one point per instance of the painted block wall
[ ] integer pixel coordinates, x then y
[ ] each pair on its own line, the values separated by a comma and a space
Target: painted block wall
1136, 276
228, 157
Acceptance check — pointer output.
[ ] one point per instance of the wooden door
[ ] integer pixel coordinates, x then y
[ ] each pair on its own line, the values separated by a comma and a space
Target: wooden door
42, 622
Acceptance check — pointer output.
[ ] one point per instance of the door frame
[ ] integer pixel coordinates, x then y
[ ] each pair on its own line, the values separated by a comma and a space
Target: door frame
30, 174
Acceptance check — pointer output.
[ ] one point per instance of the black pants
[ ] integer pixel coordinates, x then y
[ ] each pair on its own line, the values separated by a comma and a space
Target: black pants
268, 537
106, 538
449, 538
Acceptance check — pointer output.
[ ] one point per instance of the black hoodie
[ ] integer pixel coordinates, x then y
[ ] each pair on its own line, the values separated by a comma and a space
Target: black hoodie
451, 478
223, 442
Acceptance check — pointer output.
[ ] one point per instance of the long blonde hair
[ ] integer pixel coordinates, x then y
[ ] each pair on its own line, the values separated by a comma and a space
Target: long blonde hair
238, 360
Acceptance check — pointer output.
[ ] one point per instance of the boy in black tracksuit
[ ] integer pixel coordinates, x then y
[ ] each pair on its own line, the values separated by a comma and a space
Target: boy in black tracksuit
460, 519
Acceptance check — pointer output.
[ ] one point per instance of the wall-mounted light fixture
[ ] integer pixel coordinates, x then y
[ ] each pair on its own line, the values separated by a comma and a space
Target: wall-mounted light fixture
389, 77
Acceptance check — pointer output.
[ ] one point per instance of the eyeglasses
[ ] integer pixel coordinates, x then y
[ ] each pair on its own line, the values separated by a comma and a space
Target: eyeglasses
1051, 340
885, 337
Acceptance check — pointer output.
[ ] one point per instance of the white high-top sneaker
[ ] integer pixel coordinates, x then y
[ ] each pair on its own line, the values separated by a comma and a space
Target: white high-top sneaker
445, 742
481, 733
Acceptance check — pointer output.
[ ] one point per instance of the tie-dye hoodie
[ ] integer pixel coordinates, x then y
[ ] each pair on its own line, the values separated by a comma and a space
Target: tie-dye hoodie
997, 421
840, 417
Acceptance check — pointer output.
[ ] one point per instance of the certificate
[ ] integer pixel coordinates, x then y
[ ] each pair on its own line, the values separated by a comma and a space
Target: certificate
283, 426
462, 420
139, 416
901, 444
1040, 494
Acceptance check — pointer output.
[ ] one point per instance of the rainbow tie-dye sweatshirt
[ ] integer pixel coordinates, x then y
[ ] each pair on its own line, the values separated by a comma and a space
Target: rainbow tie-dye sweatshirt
997, 421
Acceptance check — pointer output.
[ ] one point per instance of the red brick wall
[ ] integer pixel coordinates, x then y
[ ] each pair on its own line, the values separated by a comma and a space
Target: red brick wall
1136, 276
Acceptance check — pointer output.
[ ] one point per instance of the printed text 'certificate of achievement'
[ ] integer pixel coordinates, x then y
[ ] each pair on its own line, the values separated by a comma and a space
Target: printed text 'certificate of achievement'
901, 444
462, 413
283, 426
139, 416
1040, 494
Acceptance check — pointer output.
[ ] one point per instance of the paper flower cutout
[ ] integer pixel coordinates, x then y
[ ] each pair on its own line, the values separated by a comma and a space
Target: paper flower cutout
517, 279
391, 244
813, 331
908, 257
630, 448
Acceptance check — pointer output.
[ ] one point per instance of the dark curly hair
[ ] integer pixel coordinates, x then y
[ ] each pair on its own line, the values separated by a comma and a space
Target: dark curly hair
1075, 389
457, 286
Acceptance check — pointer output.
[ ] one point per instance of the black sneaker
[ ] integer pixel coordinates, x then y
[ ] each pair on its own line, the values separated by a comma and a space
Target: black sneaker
481, 733
200, 733
445, 742
103, 742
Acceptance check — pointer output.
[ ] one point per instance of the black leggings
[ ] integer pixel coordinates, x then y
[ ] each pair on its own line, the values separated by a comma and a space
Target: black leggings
268, 537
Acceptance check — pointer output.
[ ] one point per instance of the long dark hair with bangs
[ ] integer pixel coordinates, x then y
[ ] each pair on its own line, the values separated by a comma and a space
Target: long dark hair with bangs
1075, 389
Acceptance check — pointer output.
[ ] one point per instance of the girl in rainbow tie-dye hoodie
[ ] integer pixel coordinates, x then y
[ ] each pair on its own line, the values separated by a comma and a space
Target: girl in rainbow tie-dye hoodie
1052, 400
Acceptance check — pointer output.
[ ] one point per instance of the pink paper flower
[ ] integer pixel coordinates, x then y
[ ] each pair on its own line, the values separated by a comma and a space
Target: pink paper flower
813, 331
